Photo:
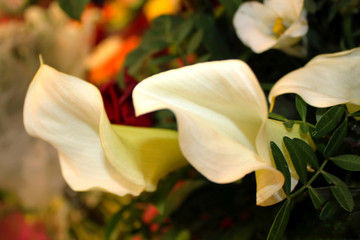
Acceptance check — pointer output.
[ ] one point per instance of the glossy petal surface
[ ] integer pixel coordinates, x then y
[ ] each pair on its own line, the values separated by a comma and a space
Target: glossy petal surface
69, 113
221, 112
327, 80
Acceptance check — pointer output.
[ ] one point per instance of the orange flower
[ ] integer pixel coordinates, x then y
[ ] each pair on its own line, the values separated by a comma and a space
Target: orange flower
108, 59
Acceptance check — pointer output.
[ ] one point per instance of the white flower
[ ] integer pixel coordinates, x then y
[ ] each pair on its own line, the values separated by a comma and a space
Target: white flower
275, 24
69, 113
327, 80
224, 131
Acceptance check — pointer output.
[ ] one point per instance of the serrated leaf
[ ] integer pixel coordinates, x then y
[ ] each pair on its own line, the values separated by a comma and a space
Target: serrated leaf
281, 220
277, 117
336, 139
73, 8
289, 123
316, 198
296, 155
307, 153
329, 121
301, 107
328, 211
194, 42
282, 166
304, 128
340, 191
347, 161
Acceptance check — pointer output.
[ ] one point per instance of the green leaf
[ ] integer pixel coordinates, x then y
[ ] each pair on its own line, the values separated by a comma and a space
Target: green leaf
301, 107
310, 6
329, 121
113, 222
281, 220
176, 198
340, 191
336, 139
282, 166
355, 114
231, 5
184, 30
73, 8
194, 42
296, 154
304, 128
289, 123
213, 39
328, 211
308, 153
277, 117
316, 198
347, 161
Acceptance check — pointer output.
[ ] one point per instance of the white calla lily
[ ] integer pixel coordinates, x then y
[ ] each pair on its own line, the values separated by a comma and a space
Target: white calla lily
327, 80
69, 113
223, 127
275, 24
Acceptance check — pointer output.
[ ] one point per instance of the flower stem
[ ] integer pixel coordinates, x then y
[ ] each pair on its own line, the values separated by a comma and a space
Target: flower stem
312, 179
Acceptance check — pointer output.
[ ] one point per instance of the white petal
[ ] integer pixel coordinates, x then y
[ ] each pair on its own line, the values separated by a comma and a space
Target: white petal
327, 80
268, 183
220, 108
286, 9
253, 24
66, 112
69, 113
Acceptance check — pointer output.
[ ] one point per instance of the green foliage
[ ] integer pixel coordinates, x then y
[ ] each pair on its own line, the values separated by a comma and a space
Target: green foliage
282, 166
310, 6
296, 154
281, 220
73, 8
348, 162
340, 191
307, 153
316, 198
231, 6
199, 205
213, 40
329, 121
336, 139
328, 211
301, 107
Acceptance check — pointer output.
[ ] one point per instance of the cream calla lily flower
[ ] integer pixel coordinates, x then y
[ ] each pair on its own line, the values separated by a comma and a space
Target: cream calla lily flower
69, 113
224, 131
327, 80
275, 24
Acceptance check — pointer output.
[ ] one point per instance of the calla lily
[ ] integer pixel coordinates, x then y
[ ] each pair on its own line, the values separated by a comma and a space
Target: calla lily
223, 127
275, 24
327, 80
69, 113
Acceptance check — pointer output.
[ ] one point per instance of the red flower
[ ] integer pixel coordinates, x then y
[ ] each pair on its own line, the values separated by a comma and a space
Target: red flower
15, 227
119, 105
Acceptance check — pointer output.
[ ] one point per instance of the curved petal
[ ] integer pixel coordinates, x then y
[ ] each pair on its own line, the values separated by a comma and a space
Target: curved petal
220, 108
327, 80
269, 183
69, 113
253, 24
286, 9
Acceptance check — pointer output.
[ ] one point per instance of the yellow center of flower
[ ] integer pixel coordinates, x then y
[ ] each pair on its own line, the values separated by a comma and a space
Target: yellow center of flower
279, 28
